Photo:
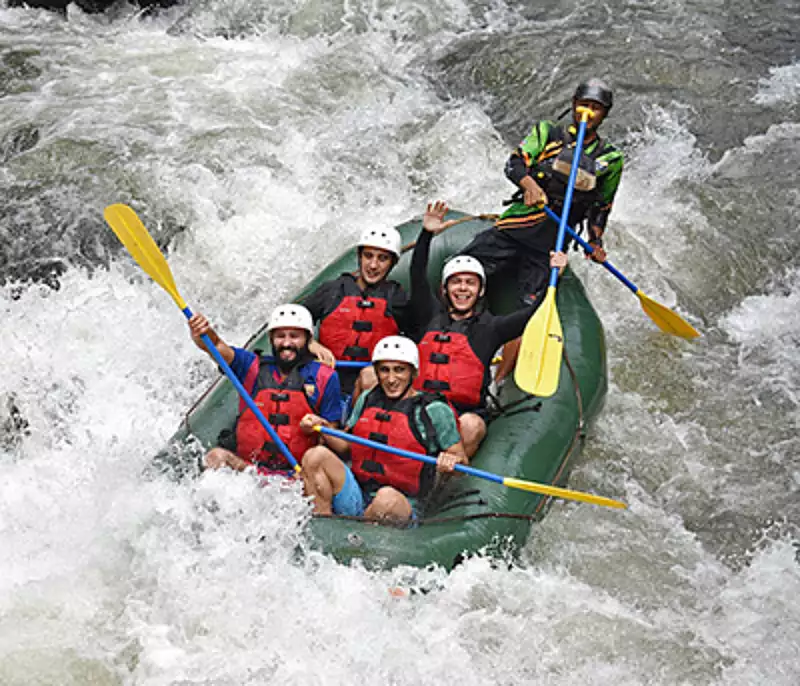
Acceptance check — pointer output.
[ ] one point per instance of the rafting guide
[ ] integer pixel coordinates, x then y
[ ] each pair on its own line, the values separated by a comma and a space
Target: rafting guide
524, 235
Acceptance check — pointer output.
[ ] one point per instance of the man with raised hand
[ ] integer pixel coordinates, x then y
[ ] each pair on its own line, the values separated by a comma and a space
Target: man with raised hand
458, 336
286, 386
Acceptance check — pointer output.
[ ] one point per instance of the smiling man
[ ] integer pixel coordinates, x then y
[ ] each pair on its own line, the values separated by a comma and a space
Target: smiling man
378, 484
356, 310
459, 337
524, 235
286, 386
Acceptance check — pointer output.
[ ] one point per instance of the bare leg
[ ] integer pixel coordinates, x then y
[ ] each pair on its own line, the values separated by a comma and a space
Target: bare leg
389, 503
366, 380
323, 477
473, 431
510, 353
217, 458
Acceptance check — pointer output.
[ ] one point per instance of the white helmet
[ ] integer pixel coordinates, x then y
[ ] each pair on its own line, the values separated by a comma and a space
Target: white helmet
385, 239
291, 316
464, 264
396, 349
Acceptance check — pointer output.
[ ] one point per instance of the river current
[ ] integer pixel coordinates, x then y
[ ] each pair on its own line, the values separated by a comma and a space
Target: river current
255, 139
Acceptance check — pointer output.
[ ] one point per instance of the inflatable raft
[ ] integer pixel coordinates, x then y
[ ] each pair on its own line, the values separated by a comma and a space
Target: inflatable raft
536, 439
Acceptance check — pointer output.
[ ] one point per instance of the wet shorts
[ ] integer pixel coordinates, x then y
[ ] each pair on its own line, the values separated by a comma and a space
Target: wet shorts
350, 500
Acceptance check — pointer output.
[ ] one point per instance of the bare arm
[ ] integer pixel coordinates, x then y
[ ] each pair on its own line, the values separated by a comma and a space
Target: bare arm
198, 326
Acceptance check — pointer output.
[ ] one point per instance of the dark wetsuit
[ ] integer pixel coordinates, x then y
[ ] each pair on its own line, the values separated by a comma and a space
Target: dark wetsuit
485, 332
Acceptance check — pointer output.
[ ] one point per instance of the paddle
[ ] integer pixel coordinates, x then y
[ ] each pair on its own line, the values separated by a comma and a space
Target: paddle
520, 484
664, 318
539, 363
140, 244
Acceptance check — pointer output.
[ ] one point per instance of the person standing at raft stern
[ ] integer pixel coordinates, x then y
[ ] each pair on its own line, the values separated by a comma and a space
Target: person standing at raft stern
458, 336
392, 413
286, 386
357, 310
524, 235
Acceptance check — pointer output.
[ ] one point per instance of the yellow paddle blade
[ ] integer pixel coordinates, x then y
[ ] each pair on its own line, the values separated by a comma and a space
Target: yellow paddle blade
665, 319
539, 363
131, 232
565, 493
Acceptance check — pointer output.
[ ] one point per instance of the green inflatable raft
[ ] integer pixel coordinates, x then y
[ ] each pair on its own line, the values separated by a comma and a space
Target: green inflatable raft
536, 439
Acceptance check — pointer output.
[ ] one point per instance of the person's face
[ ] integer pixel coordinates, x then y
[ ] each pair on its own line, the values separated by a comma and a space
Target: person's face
598, 112
375, 264
463, 291
287, 342
394, 377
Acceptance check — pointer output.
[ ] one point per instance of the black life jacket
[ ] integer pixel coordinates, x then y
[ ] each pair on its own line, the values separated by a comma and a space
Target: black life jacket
551, 172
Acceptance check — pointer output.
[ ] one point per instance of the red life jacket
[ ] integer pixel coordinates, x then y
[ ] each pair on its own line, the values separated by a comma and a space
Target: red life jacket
392, 423
358, 320
284, 404
449, 365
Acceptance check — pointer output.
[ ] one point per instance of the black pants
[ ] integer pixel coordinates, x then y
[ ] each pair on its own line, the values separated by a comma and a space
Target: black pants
504, 253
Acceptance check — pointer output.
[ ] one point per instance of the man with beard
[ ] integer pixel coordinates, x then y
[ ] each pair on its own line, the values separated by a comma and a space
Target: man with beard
355, 311
524, 235
379, 484
286, 386
460, 337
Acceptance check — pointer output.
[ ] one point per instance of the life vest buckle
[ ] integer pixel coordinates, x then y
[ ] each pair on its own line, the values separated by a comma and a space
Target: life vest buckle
378, 437
279, 419
436, 385
372, 467
442, 338
439, 358
366, 304
361, 325
356, 352
279, 397
383, 416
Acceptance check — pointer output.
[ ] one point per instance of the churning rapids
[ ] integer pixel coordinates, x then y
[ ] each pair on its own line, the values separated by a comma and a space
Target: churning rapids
255, 138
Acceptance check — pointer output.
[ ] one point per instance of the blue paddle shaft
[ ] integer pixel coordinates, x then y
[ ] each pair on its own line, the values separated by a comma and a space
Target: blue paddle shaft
351, 364
573, 174
407, 453
590, 249
244, 394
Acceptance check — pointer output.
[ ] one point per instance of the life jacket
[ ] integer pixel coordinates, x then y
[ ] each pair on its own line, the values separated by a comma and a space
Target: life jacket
392, 423
448, 364
552, 167
358, 320
283, 403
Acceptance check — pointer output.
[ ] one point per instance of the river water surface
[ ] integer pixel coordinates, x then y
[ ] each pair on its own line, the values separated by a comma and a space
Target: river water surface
255, 139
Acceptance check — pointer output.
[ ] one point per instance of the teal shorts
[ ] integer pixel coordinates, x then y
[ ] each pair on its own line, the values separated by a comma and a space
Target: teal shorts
350, 500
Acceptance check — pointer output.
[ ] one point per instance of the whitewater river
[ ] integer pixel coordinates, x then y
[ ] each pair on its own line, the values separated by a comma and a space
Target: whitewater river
255, 138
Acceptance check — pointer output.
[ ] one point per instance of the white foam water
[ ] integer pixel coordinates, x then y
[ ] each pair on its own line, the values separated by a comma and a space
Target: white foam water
272, 150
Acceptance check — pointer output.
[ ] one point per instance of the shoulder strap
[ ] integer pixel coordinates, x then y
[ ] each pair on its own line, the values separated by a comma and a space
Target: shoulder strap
431, 439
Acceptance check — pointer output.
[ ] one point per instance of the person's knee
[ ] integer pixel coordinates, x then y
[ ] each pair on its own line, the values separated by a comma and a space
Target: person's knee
215, 458
390, 502
314, 458
473, 431
367, 378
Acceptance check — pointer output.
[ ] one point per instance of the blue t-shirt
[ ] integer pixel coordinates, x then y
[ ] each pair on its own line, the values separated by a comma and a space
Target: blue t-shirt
327, 403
